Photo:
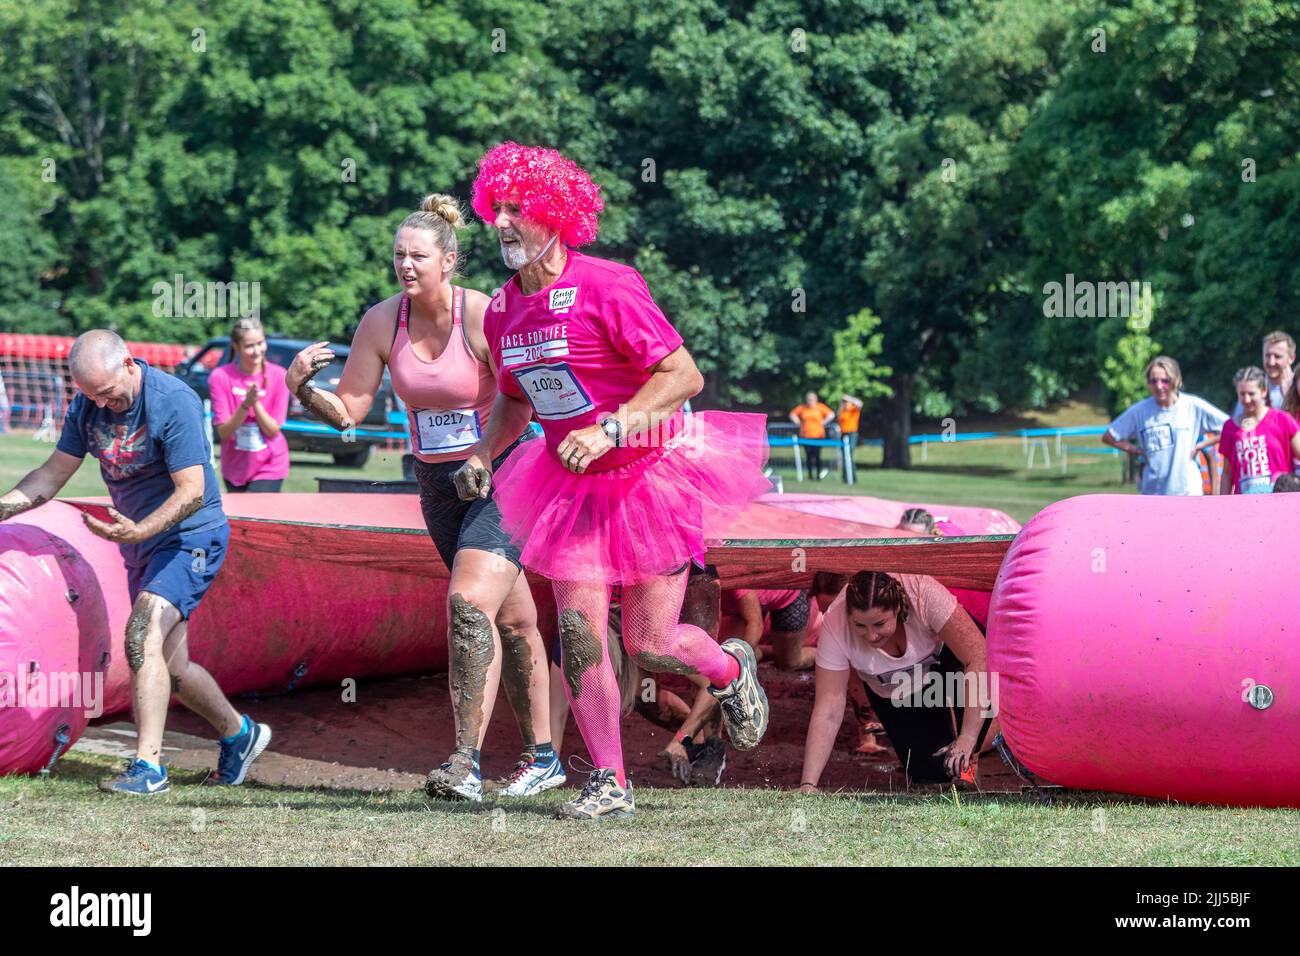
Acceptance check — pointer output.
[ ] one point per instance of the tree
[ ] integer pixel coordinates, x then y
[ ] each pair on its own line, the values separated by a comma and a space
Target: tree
854, 370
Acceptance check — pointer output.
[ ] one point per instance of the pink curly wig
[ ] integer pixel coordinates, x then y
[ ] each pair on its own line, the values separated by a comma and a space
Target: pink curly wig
550, 190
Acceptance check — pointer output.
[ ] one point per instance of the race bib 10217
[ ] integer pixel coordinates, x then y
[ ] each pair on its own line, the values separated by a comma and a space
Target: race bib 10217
438, 431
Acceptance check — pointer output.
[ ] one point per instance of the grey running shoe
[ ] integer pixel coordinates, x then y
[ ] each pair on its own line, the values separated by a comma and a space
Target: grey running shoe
457, 779
743, 702
601, 797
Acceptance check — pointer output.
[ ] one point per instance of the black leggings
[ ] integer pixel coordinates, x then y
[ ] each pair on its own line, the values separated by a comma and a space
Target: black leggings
814, 461
916, 732
259, 485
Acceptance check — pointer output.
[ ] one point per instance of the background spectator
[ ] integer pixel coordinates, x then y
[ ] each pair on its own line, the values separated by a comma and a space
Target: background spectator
250, 403
1171, 428
1279, 363
1262, 446
812, 417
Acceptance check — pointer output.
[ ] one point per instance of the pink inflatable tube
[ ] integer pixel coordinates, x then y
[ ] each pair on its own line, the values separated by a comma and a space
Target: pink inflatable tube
1152, 646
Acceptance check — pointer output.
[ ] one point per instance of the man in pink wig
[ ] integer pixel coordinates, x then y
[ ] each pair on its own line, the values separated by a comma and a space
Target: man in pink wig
625, 489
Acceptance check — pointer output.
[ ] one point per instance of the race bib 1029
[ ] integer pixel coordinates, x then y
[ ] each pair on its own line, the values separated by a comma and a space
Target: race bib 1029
554, 391
439, 430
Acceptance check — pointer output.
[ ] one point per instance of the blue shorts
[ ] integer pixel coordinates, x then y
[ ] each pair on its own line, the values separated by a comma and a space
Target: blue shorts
182, 570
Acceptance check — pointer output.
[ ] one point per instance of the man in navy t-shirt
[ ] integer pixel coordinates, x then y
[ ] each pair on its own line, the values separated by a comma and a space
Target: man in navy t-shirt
147, 430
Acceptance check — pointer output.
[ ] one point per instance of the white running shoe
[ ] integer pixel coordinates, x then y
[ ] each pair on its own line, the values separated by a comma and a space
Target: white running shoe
532, 776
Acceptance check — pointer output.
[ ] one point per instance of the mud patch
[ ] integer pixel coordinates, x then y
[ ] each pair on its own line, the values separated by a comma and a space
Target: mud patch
517, 676
580, 648
137, 633
663, 664
471, 656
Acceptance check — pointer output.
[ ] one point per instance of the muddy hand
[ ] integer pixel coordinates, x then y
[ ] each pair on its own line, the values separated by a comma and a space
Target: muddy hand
472, 480
680, 762
307, 363
122, 530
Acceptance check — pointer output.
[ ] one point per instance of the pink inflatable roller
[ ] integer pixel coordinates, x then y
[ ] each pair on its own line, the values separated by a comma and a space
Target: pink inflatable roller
62, 600
1152, 646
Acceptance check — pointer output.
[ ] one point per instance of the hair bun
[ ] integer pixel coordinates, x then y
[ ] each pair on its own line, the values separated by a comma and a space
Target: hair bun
445, 207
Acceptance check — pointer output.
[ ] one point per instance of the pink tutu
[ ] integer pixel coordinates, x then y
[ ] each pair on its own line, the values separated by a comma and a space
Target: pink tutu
640, 520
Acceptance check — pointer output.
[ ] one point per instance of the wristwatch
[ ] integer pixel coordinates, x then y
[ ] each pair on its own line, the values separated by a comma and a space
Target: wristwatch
614, 429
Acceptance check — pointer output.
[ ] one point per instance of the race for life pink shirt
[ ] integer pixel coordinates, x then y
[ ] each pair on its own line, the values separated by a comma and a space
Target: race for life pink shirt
580, 348
1256, 458
248, 454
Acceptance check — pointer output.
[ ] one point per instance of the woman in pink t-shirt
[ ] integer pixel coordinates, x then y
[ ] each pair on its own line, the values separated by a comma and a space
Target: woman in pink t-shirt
1263, 445
918, 654
249, 406
780, 616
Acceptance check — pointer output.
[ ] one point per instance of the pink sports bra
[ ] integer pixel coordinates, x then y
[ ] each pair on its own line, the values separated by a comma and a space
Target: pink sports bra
447, 399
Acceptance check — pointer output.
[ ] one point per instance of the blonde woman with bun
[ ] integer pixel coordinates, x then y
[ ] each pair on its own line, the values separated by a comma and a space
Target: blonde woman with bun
430, 337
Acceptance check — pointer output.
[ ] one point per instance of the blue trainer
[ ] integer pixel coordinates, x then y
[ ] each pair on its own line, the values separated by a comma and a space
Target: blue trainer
138, 778
238, 754
533, 775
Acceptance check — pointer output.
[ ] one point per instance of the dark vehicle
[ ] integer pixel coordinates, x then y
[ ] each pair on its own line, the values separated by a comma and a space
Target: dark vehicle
308, 436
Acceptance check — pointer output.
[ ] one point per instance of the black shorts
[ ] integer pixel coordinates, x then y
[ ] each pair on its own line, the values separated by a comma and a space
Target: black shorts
917, 732
792, 618
258, 485
455, 524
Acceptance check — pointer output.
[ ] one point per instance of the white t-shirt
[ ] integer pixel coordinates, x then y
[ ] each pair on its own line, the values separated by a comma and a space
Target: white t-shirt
1167, 437
838, 649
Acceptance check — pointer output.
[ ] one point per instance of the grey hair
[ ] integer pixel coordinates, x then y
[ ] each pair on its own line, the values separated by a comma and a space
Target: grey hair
98, 350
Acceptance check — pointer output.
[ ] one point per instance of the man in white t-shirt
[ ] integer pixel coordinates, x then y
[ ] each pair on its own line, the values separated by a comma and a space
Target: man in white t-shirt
1170, 428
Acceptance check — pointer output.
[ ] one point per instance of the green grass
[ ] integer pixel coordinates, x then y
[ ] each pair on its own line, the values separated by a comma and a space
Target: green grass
987, 474
257, 825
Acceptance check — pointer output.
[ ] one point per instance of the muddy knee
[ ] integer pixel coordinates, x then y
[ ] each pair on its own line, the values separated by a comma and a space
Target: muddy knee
579, 646
471, 656
471, 639
137, 636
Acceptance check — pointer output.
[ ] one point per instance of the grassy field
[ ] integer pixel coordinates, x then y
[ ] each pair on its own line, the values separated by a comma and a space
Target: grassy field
62, 820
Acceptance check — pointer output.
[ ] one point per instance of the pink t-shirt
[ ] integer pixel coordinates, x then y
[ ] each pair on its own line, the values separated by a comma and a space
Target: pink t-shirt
248, 454
580, 348
1256, 458
768, 600
839, 649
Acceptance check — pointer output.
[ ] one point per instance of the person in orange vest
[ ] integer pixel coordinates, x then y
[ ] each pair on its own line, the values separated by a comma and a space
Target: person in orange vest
849, 413
812, 417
